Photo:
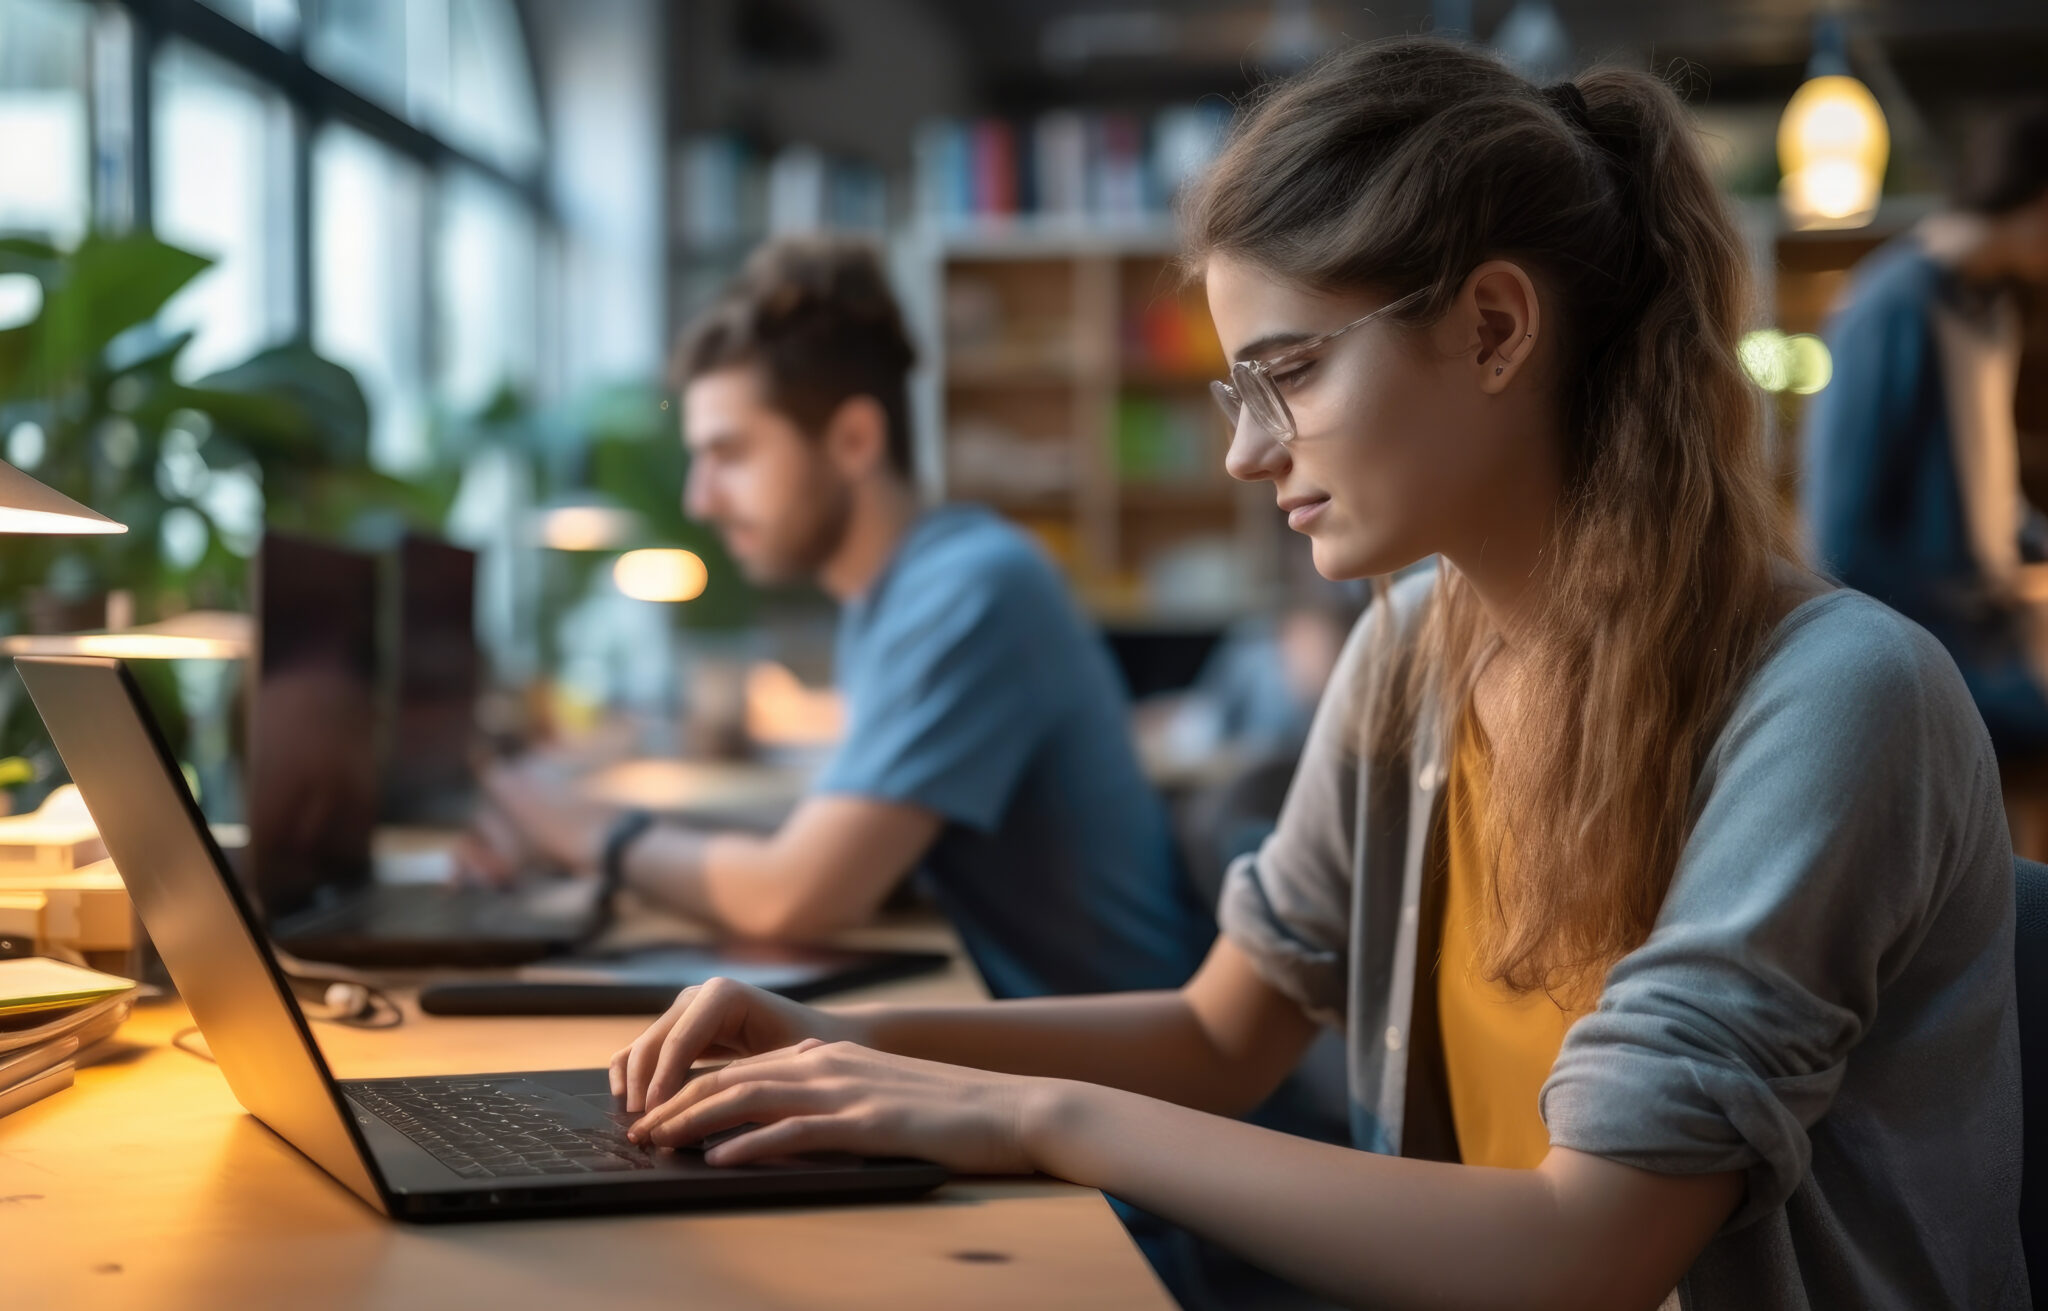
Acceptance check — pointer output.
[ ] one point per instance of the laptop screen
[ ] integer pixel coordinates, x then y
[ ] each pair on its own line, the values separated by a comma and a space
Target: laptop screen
312, 767
428, 774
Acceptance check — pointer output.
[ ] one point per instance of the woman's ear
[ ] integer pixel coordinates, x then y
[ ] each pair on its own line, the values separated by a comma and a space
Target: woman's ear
1506, 321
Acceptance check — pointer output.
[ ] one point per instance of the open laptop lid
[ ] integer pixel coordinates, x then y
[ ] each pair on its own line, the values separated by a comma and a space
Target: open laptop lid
196, 913
313, 725
429, 769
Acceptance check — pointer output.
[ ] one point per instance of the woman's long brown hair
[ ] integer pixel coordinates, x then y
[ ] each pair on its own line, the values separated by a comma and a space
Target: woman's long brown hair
1401, 166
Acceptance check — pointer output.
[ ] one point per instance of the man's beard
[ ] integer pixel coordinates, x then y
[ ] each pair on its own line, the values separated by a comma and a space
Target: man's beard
821, 534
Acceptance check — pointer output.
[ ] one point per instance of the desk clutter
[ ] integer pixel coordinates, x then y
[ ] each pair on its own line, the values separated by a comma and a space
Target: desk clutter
51, 1015
59, 894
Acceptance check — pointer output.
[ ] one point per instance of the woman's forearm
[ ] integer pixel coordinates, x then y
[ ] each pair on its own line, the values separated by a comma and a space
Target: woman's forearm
1147, 1042
1579, 1232
1221, 1043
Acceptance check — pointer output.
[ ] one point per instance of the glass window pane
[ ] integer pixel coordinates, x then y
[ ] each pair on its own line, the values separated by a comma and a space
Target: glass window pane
487, 285
369, 304
455, 67
45, 177
222, 187
491, 106
274, 20
363, 43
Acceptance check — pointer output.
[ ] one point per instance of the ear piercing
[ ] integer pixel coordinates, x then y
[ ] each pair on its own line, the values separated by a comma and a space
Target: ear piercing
1502, 368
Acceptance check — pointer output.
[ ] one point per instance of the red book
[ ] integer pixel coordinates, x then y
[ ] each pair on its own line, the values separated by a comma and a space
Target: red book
995, 168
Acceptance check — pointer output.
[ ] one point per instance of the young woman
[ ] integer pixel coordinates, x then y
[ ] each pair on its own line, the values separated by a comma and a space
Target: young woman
1661, 890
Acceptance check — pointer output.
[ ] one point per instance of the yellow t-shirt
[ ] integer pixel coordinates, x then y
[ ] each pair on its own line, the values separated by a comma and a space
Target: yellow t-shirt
1498, 1045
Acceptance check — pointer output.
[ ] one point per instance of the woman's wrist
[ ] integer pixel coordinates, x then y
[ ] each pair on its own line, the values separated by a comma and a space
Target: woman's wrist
854, 1026
1052, 1116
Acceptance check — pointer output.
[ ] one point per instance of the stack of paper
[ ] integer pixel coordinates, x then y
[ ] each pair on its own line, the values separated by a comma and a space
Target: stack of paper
51, 1012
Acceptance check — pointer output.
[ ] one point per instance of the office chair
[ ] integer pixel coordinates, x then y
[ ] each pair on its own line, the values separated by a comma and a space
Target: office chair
2030, 958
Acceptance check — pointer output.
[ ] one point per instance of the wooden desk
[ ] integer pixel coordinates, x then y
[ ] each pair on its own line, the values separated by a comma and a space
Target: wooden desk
147, 1186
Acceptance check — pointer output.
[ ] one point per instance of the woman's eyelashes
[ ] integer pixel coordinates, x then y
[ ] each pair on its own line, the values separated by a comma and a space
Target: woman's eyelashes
1292, 374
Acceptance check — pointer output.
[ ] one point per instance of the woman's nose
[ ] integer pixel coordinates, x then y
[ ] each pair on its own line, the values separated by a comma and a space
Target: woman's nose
1255, 454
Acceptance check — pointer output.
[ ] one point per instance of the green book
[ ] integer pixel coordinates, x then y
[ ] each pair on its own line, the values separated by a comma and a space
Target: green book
36, 983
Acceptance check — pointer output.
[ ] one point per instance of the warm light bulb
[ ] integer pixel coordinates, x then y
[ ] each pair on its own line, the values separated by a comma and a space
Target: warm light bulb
587, 528
1832, 147
660, 575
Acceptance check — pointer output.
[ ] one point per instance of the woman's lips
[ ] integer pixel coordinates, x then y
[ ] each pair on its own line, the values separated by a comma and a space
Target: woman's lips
1301, 514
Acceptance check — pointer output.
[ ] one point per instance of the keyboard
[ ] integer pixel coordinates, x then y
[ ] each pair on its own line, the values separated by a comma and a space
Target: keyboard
481, 1130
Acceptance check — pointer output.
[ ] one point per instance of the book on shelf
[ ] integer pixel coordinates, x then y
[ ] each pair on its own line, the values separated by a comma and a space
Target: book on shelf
1065, 165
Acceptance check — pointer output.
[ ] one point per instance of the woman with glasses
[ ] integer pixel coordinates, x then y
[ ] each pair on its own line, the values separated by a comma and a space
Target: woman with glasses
1660, 888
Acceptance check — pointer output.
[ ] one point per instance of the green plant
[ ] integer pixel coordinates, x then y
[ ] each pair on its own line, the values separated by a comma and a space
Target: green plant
92, 402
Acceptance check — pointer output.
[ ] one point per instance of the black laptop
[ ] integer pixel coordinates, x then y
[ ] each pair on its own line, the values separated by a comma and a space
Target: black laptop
429, 1148
330, 755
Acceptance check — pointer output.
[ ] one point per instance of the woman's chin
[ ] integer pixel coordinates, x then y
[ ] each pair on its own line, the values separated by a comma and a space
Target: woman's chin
1339, 558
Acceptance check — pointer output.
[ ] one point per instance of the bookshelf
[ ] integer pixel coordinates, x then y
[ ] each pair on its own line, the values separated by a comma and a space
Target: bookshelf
1065, 384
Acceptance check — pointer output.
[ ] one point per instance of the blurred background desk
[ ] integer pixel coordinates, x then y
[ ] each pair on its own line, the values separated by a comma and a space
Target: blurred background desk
147, 1185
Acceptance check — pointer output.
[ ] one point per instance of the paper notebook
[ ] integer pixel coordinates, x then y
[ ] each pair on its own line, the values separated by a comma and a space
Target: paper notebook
36, 983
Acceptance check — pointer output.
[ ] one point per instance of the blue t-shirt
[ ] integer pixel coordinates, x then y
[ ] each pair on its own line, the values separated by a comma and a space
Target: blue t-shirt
976, 690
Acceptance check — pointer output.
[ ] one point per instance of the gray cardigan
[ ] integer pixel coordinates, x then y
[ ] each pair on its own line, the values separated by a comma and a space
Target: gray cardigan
1825, 1002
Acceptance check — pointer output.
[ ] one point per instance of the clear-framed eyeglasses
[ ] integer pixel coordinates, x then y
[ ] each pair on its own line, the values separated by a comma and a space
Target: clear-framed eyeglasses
1251, 386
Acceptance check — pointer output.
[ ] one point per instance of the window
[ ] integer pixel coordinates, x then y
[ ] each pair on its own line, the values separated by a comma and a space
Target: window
487, 310
273, 20
458, 68
369, 309
45, 182
221, 145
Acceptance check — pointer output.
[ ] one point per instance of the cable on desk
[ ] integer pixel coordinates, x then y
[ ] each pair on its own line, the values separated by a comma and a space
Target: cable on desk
356, 1005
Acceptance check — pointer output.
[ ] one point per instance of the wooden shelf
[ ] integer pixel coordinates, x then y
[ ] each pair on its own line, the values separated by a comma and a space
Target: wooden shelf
1190, 495
1072, 341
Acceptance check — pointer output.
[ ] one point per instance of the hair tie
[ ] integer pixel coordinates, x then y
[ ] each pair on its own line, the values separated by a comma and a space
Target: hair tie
1567, 99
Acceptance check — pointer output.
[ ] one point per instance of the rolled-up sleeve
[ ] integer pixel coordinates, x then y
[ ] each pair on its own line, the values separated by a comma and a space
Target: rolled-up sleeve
1288, 905
1834, 815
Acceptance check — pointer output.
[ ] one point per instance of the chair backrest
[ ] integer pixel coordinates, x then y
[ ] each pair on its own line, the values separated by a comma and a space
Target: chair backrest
2030, 955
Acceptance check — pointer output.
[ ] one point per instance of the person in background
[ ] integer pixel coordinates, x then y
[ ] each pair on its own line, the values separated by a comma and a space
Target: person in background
1911, 487
1658, 885
987, 742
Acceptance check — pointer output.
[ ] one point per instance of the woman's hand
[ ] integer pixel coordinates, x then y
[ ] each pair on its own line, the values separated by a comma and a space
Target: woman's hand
839, 1097
722, 1018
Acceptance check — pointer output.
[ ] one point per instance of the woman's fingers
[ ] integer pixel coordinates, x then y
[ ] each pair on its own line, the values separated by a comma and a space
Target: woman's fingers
794, 1136
781, 1064
718, 1009
641, 1055
756, 1101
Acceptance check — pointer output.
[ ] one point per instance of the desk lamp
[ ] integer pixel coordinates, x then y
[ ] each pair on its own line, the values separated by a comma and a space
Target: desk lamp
81, 891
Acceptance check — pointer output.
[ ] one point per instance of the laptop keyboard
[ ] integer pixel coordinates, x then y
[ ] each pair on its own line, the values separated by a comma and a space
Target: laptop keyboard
481, 1131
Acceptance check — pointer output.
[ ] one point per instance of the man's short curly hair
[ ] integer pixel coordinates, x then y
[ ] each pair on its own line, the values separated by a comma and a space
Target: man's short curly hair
816, 318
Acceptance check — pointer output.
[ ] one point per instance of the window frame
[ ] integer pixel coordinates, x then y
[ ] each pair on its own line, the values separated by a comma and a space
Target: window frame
315, 99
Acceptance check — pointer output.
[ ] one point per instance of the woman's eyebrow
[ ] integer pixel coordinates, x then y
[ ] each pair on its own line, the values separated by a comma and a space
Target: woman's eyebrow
1272, 341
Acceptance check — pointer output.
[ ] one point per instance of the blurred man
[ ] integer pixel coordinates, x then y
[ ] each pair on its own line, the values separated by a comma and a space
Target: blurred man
1911, 487
987, 737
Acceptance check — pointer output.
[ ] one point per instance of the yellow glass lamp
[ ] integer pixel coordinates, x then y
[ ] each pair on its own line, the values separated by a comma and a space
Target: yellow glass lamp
1833, 143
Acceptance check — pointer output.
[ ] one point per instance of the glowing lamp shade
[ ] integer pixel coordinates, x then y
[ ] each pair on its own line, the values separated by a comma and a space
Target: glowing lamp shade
587, 528
1832, 148
660, 575
26, 506
195, 635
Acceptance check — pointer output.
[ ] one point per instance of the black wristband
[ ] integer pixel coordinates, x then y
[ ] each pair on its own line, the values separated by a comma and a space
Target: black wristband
627, 829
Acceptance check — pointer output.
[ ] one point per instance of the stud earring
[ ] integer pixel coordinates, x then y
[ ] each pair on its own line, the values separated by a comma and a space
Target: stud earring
1499, 369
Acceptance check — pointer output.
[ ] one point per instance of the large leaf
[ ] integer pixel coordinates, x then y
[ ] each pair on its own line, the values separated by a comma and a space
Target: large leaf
110, 284
22, 255
288, 401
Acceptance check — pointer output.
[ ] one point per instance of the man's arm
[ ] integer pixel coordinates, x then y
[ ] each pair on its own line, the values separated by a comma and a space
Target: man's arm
830, 865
